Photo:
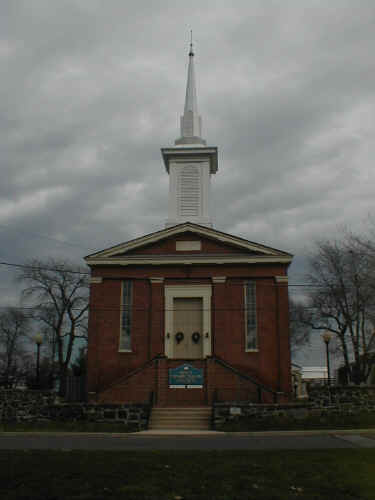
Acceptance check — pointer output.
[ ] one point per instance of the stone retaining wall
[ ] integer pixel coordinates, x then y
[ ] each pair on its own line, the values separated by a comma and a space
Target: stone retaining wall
355, 395
324, 401
38, 406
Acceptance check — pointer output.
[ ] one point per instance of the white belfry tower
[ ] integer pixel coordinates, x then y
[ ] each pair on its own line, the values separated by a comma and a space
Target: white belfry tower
190, 164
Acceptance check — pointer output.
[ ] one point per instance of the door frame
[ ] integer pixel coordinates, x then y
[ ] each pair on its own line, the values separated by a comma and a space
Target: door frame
188, 291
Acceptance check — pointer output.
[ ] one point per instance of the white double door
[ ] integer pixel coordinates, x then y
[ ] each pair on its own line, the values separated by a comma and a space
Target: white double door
187, 321
187, 327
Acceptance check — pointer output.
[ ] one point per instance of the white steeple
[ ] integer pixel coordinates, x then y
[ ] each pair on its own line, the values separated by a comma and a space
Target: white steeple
191, 122
190, 164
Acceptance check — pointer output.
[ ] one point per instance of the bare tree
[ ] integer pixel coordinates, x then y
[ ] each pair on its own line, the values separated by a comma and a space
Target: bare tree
59, 293
299, 331
14, 358
365, 245
341, 300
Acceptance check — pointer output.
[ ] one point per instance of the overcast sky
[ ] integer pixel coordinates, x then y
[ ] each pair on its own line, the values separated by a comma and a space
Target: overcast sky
91, 90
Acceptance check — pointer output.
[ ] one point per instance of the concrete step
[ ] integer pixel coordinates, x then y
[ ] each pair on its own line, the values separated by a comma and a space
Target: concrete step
180, 418
205, 424
178, 412
183, 409
186, 427
182, 423
182, 413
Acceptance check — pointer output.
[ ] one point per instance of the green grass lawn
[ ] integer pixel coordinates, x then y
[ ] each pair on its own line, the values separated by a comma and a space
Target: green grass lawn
344, 474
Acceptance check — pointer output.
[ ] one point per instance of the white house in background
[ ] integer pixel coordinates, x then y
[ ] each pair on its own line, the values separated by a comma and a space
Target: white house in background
316, 374
298, 384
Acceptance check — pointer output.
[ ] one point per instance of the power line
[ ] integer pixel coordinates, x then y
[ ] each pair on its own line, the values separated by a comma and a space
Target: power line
196, 280
47, 238
260, 282
119, 309
136, 278
36, 268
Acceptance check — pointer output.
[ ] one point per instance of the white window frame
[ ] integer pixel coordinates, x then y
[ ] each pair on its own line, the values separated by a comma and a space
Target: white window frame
254, 312
122, 308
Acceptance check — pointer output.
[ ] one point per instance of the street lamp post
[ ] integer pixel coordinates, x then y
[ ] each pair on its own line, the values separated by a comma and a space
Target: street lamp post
327, 338
38, 341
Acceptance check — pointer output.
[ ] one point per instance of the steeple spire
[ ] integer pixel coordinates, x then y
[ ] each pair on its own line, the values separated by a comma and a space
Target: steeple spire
191, 122
190, 164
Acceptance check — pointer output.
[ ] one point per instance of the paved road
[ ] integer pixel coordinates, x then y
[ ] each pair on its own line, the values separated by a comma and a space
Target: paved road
216, 442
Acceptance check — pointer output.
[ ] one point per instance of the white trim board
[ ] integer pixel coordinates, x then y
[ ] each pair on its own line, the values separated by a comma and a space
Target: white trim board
169, 260
188, 291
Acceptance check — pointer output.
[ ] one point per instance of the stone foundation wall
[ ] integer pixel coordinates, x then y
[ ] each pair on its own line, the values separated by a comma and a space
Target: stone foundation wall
338, 395
38, 406
323, 401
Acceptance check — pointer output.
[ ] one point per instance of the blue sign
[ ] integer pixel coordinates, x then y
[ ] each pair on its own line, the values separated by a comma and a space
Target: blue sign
186, 377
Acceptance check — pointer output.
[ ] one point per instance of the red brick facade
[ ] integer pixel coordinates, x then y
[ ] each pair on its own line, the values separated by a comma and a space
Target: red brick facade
230, 372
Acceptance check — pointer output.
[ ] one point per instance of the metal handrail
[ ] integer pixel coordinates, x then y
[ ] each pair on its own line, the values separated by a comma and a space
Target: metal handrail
134, 372
261, 387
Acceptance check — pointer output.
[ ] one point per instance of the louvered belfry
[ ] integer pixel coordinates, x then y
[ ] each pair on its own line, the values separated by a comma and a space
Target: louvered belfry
190, 164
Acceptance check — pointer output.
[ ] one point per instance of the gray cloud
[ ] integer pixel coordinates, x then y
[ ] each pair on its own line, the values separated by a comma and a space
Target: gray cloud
90, 92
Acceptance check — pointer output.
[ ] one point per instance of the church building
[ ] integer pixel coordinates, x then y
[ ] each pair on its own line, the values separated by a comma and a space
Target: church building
189, 315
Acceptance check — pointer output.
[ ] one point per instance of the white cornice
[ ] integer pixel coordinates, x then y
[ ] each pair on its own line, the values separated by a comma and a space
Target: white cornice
281, 279
156, 280
219, 279
96, 280
191, 260
183, 228
191, 153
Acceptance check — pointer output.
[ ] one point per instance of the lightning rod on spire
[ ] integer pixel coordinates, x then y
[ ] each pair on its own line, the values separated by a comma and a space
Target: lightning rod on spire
191, 53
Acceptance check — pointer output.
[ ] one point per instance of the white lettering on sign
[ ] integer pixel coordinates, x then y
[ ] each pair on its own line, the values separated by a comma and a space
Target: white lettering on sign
186, 386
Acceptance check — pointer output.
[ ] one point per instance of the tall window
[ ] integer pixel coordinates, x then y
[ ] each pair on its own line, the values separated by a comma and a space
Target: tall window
250, 316
126, 316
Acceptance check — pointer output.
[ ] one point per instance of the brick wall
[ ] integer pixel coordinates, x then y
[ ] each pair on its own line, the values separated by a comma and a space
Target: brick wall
106, 365
136, 389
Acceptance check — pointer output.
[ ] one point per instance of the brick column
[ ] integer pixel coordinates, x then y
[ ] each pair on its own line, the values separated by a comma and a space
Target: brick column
162, 382
210, 380
156, 322
282, 321
93, 355
219, 307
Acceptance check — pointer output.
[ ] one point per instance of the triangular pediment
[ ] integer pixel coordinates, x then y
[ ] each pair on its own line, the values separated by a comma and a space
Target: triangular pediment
187, 239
